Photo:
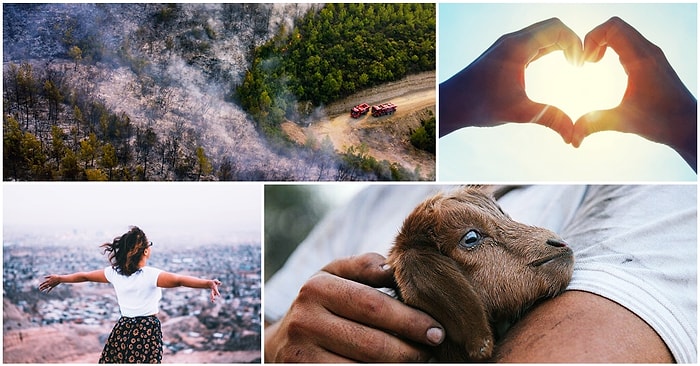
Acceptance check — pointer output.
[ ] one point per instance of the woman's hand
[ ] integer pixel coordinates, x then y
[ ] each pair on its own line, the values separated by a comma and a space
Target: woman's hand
214, 286
50, 282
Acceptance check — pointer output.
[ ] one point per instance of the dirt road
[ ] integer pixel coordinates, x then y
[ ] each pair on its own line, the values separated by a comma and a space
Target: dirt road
386, 137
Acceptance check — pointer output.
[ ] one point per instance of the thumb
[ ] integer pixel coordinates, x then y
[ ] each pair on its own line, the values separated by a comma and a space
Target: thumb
552, 117
592, 122
369, 269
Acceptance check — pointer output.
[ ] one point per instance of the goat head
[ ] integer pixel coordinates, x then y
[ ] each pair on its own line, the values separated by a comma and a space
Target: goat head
461, 259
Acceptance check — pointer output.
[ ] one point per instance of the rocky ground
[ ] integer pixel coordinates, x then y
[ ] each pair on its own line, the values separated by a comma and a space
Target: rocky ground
75, 343
24, 342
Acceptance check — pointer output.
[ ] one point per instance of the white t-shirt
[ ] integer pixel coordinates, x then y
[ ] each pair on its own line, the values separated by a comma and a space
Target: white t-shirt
138, 294
636, 245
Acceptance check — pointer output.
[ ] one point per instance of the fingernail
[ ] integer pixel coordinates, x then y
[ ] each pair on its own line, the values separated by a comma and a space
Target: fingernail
435, 335
386, 267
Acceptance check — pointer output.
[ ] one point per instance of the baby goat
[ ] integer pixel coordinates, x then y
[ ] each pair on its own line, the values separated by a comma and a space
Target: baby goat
461, 259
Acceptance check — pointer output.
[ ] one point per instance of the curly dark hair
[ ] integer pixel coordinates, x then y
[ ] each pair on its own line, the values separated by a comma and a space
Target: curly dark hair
125, 252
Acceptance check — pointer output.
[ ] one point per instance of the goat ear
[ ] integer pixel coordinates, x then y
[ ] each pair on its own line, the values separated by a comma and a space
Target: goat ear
433, 283
494, 191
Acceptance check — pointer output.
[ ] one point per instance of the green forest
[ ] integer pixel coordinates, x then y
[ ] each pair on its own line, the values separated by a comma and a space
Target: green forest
333, 53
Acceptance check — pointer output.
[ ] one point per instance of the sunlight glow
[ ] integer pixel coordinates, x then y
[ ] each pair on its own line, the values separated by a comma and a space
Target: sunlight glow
576, 90
525, 152
529, 152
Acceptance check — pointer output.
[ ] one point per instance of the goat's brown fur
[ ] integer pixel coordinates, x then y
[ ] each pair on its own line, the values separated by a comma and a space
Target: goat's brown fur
470, 288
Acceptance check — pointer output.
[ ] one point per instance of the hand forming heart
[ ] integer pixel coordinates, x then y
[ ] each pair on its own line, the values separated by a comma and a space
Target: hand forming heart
655, 105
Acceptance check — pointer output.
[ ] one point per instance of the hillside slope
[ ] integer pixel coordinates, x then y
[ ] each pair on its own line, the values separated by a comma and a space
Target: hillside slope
153, 83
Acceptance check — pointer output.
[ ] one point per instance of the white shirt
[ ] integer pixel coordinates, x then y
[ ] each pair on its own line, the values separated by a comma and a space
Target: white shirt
138, 294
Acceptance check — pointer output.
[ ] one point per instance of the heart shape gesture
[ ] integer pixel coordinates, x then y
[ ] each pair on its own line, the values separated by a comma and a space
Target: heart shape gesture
576, 90
654, 104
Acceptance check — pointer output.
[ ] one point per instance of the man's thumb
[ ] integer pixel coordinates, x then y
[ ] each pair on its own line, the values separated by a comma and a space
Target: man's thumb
591, 122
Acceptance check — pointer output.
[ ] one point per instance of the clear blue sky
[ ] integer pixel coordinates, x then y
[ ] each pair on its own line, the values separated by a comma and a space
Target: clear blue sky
533, 153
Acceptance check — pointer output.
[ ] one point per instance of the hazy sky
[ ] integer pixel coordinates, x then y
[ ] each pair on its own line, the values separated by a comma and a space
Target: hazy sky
530, 152
170, 212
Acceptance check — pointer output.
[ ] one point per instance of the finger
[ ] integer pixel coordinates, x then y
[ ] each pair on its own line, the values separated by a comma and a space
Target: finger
595, 43
322, 309
544, 51
551, 35
615, 33
369, 269
370, 345
298, 352
368, 306
592, 122
548, 116
594, 48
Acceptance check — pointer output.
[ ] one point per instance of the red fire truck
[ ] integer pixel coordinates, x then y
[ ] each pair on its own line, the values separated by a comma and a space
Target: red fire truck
359, 110
383, 109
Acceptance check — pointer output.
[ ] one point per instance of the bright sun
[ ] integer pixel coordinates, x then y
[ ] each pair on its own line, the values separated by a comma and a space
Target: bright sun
576, 90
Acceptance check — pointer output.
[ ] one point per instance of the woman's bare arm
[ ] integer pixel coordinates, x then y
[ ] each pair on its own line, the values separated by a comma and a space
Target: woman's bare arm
54, 280
169, 280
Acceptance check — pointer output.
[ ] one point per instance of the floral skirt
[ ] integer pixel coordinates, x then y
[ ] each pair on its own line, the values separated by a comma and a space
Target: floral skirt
134, 340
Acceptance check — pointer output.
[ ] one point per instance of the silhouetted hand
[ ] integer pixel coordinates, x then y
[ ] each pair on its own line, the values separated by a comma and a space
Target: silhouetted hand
340, 316
656, 105
491, 90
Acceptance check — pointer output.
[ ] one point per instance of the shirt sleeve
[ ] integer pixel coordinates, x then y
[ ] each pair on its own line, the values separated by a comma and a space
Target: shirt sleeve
637, 245
109, 273
152, 274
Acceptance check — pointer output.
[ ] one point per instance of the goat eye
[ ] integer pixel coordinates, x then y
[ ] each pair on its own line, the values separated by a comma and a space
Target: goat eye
470, 239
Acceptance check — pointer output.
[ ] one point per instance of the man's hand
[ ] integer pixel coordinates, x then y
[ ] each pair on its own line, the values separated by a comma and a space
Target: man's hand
491, 90
340, 316
656, 105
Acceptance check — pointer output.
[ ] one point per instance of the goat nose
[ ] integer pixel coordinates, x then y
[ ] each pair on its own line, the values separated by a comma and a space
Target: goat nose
556, 243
